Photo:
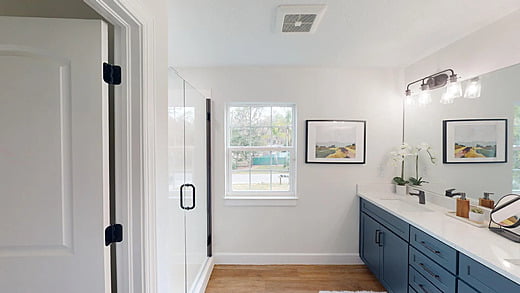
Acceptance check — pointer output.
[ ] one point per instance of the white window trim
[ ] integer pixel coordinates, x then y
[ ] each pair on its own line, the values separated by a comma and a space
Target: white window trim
261, 198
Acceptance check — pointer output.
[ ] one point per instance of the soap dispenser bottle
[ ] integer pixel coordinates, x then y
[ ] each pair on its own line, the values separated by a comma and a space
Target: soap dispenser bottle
486, 201
463, 206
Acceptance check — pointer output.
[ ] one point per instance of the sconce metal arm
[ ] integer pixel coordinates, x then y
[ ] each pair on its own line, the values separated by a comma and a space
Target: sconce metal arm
430, 76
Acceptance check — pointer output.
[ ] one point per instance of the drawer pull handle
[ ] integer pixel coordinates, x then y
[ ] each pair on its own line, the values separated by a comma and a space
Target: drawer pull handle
426, 269
430, 248
423, 288
378, 238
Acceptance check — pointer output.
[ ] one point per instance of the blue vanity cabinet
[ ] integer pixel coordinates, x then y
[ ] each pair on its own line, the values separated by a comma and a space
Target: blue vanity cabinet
382, 250
406, 259
482, 278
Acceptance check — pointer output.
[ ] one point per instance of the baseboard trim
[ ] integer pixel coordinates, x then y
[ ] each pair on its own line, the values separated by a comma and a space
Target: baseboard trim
202, 279
288, 258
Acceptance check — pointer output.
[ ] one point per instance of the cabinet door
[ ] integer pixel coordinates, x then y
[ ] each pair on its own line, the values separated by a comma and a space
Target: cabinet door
464, 288
394, 262
370, 250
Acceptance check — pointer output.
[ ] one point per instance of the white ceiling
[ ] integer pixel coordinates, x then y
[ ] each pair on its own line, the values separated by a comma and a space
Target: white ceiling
354, 33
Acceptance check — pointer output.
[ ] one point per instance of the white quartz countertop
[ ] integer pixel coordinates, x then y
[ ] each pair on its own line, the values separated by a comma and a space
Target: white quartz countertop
490, 249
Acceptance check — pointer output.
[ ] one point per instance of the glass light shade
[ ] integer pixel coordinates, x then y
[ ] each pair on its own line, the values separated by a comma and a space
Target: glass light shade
473, 89
454, 90
410, 99
425, 97
446, 99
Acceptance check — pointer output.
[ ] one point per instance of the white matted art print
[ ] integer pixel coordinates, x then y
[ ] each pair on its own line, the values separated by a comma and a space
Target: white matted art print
335, 141
475, 141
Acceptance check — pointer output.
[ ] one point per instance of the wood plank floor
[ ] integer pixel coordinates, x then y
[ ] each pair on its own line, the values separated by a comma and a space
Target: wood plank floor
291, 279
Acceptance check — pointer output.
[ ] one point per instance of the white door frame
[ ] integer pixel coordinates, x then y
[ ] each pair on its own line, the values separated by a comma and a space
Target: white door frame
134, 141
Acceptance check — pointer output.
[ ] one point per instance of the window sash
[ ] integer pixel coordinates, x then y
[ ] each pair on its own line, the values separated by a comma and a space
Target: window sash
249, 192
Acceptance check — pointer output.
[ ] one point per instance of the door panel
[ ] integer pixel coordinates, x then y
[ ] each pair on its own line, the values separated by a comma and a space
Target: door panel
196, 174
370, 249
53, 156
37, 149
394, 262
170, 216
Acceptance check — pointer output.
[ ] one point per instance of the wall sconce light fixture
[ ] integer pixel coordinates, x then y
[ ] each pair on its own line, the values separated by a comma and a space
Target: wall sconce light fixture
440, 79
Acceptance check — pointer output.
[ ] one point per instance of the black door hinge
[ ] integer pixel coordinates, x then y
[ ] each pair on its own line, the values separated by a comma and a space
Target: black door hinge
113, 234
111, 74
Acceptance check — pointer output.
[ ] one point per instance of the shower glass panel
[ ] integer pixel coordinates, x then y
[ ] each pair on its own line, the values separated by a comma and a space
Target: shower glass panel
182, 215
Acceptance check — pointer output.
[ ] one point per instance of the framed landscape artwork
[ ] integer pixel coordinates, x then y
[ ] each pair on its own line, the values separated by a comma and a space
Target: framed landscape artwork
335, 141
475, 141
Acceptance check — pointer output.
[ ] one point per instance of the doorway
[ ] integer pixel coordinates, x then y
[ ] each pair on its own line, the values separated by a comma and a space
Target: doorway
134, 139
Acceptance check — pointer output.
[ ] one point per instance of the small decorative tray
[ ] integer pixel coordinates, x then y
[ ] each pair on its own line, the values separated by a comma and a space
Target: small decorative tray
468, 221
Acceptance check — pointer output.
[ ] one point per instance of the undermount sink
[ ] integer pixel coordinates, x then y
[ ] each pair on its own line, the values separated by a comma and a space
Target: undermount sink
410, 207
515, 262
406, 205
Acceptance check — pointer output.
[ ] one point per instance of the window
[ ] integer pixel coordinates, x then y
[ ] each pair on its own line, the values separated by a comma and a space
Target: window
261, 151
516, 150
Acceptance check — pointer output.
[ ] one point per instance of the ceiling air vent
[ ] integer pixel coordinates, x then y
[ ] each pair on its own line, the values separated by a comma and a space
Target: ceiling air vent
299, 18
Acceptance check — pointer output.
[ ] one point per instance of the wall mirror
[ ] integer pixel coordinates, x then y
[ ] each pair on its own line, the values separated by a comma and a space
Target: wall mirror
500, 99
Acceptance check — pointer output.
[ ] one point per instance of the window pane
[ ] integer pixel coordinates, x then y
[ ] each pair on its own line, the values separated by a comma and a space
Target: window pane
261, 180
260, 136
280, 161
261, 160
240, 181
239, 116
282, 116
516, 179
516, 133
261, 116
282, 136
240, 161
516, 120
240, 136
281, 181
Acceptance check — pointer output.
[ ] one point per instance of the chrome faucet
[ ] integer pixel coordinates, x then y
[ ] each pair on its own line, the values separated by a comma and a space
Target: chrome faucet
450, 193
421, 195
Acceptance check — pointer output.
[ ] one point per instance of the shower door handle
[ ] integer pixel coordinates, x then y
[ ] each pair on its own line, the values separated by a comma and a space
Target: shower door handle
183, 187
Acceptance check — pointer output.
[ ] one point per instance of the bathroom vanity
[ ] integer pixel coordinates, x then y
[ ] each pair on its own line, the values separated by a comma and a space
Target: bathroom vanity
417, 248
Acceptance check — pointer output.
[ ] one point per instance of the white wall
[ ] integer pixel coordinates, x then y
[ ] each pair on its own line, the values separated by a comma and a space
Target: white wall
493, 47
325, 220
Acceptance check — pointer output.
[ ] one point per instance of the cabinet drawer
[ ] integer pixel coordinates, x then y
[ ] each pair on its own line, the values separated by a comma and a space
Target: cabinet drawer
483, 278
420, 283
436, 274
398, 226
434, 249
465, 288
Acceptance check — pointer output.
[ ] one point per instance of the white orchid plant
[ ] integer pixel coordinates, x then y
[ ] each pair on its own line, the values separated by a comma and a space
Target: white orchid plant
422, 147
398, 158
404, 151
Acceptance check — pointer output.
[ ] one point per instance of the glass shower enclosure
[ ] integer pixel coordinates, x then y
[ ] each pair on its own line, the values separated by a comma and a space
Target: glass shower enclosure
182, 214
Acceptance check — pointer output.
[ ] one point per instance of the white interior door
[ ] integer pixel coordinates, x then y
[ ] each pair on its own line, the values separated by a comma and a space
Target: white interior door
53, 156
